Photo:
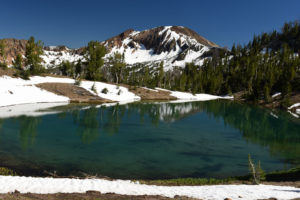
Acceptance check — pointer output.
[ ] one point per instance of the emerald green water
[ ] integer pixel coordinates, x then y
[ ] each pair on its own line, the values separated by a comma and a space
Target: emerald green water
150, 140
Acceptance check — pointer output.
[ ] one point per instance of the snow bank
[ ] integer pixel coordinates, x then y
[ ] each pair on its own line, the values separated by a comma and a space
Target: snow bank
185, 96
114, 92
17, 91
123, 187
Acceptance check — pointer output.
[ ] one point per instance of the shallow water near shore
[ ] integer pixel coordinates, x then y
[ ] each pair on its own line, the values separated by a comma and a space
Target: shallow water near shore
150, 140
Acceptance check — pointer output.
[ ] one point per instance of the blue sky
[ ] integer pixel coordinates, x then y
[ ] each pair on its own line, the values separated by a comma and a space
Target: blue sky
74, 23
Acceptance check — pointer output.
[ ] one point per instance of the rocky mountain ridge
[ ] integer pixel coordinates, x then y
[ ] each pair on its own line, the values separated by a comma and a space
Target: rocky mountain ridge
174, 45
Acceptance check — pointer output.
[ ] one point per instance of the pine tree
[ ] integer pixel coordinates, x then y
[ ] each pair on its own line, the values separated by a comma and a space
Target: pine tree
18, 62
3, 54
117, 65
182, 82
78, 69
32, 56
95, 53
161, 74
67, 68
267, 96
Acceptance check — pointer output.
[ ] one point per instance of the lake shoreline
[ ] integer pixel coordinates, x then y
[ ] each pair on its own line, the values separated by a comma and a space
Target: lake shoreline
275, 103
50, 89
289, 177
63, 89
238, 188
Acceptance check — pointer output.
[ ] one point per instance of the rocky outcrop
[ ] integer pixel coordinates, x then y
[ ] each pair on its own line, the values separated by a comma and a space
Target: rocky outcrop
193, 34
117, 41
13, 47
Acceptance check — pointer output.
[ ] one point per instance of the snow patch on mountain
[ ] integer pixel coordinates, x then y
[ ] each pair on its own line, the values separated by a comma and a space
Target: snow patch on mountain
53, 58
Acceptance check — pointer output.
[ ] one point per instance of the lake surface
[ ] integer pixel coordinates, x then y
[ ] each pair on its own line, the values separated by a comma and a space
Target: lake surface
150, 140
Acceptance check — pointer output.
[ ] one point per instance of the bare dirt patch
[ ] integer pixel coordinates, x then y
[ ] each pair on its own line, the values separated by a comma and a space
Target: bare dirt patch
75, 93
7, 72
54, 75
148, 94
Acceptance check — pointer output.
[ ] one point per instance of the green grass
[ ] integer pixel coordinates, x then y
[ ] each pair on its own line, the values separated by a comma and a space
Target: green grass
284, 175
7, 172
189, 181
276, 176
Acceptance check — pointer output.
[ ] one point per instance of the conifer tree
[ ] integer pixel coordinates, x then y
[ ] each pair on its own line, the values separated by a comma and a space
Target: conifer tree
18, 62
3, 53
161, 74
67, 68
78, 69
117, 65
95, 53
32, 56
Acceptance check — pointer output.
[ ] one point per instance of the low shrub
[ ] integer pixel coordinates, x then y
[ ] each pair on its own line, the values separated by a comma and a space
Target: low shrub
7, 172
119, 92
104, 91
78, 82
93, 88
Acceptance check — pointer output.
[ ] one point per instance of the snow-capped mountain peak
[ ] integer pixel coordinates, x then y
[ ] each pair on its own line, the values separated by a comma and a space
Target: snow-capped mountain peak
175, 45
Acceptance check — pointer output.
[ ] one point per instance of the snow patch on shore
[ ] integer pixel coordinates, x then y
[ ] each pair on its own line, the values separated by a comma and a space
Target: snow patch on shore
185, 96
124, 187
14, 91
114, 92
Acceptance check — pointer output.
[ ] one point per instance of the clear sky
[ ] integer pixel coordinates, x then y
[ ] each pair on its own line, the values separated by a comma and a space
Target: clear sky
75, 22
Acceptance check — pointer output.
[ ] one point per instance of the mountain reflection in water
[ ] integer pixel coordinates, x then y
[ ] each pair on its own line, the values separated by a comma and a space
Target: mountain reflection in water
151, 134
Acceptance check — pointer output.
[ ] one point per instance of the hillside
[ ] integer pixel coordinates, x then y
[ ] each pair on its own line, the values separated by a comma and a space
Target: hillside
175, 45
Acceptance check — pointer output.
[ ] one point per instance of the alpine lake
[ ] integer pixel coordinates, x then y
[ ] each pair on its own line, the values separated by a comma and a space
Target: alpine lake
150, 140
